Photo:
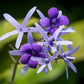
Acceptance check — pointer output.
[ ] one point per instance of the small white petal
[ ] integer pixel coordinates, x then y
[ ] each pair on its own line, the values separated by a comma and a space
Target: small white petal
19, 39
68, 30
8, 34
40, 13
50, 66
30, 38
70, 57
46, 51
53, 49
42, 32
28, 16
39, 59
60, 13
41, 68
11, 20
41, 43
33, 29
16, 52
57, 32
63, 42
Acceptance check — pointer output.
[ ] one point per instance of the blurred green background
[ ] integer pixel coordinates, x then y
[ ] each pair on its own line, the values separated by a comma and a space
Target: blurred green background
74, 10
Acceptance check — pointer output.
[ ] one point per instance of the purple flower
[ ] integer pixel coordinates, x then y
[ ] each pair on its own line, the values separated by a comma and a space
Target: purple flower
45, 61
27, 51
51, 41
66, 56
55, 19
20, 29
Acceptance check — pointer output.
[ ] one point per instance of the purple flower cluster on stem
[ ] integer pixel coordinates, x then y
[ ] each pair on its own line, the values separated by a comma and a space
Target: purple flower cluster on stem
33, 54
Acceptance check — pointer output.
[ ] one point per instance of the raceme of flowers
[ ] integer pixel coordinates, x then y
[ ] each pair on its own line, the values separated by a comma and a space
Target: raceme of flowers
32, 53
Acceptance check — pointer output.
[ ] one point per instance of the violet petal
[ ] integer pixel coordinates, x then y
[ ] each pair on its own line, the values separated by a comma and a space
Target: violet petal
11, 20
32, 64
25, 58
67, 75
53, 12
50, 66
46, 51
41, 68
45, 22
30, 38
40, 13
26, 48
56, 33
24, 69
36, 48
28, 16
16, 52
72, 66
63, 20
19, 39
42, 32
8, 34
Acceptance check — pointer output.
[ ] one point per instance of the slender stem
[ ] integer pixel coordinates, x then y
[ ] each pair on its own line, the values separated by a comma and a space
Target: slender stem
13, 76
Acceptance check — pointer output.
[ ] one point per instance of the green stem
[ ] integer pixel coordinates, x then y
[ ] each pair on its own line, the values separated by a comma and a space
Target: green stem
13, 75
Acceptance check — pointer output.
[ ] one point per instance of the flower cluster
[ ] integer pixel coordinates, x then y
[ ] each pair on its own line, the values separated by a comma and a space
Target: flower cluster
35, 54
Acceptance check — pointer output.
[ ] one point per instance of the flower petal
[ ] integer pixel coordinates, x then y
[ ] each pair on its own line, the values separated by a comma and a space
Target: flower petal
8, 34
56, 33
50, 66
42, 32
30, 38
33, 29
11, 20
53, 12
24, 69
53, 57
60, 13
40, 13
46, 51
53, 49
73, 51
45, 70
41, 43
72, 66
41, 68
63, 43
68, 30
27, 17
63, 20
45, 22
38, 59
66, 70
19, 39
16, 52
70, 57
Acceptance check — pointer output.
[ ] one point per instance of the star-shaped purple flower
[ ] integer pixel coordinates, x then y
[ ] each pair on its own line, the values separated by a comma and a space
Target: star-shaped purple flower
51, 41
27, 51
45, 61
55, 20
66, 56
21, 29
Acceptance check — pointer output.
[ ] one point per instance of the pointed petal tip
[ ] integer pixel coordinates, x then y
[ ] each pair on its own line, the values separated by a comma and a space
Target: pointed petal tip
38, 72
35, 7
4, 14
